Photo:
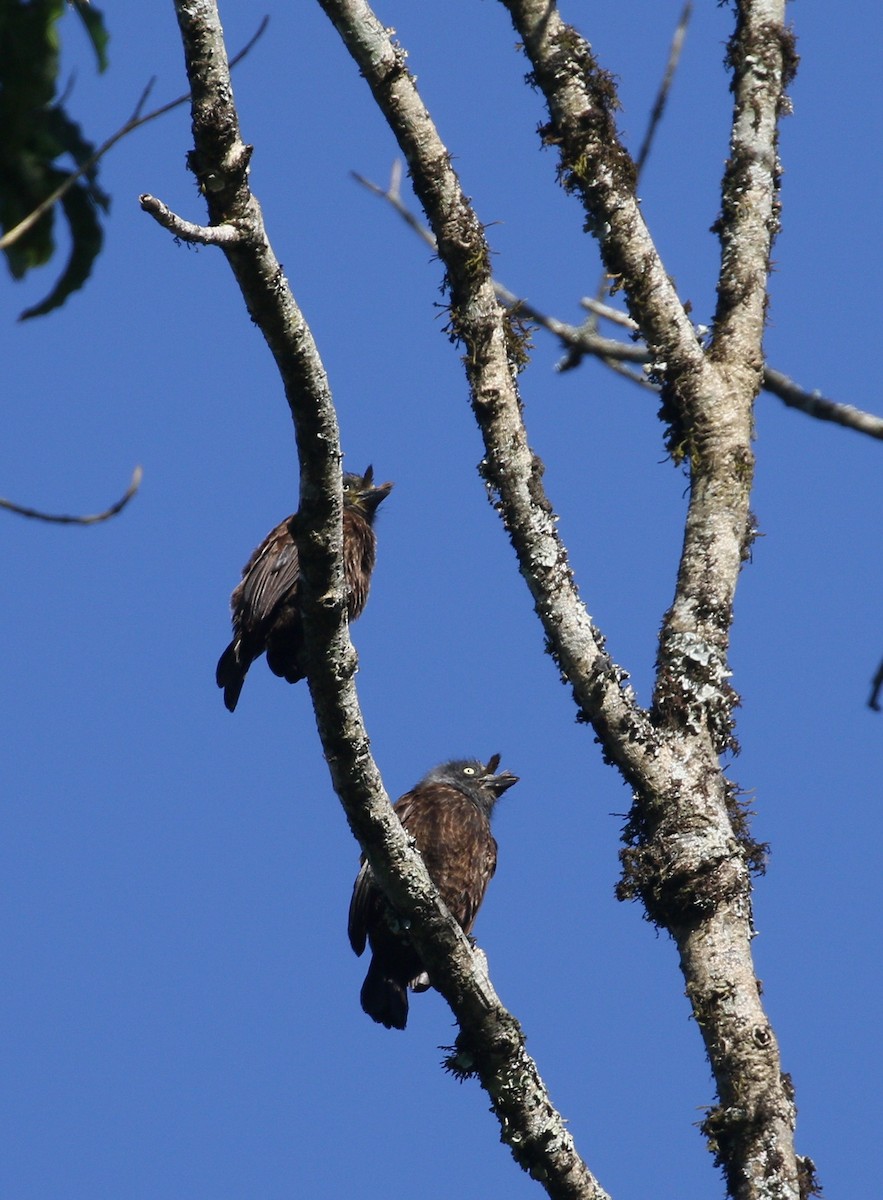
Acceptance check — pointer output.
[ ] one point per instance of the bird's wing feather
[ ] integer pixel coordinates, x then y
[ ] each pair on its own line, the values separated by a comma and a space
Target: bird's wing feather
270, 574
360, 905
366, 902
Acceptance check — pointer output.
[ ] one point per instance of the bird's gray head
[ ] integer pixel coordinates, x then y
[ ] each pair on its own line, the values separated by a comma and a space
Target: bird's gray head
360, 493
475, 779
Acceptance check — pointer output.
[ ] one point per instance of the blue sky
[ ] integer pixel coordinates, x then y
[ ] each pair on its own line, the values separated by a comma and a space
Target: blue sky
182, 1015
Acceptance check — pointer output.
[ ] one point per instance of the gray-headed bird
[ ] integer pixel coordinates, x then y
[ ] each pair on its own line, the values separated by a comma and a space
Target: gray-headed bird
448, 816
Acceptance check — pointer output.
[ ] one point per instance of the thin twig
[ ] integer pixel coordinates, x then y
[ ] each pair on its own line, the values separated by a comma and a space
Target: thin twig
814, 404
582, 340
92, 519
674, 57
609, 314
134, 122
394, 196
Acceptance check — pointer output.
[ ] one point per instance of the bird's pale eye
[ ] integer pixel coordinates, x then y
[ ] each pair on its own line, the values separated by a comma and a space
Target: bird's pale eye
469, 770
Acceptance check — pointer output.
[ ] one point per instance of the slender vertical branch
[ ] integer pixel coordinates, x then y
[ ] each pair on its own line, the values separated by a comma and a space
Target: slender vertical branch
762, 57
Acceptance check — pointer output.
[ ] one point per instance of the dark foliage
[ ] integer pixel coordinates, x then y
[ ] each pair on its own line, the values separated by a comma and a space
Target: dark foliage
37, 133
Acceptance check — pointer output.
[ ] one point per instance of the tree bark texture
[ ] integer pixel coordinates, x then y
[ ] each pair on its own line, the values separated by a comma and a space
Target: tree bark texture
491, 1043
688, 854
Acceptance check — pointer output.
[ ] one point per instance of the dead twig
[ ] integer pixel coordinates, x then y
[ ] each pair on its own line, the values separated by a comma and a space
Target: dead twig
91, 519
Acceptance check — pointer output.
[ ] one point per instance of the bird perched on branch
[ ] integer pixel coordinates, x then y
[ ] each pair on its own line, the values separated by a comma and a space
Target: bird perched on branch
448, 816
266, 603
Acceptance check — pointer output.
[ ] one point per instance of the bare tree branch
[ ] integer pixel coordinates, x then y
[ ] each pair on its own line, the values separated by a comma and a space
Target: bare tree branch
671, 66
609, 313
656, 112
876, 689
814, 404
92, 519
585, 341
689, 852
393, 194
219, 161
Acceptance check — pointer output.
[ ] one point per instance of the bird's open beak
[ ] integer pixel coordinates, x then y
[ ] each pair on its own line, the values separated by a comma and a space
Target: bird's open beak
500, 783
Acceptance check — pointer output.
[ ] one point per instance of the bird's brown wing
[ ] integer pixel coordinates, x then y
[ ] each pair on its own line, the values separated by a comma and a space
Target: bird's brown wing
459, 850
268, 577
366, 902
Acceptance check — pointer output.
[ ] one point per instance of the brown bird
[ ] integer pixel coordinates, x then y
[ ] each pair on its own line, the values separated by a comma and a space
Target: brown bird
266, 603
448, 816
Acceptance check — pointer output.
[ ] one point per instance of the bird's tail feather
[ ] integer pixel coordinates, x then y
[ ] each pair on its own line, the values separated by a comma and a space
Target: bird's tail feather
230, 676
383, 999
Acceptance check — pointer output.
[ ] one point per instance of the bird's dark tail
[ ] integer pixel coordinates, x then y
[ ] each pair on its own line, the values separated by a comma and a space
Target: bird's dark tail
383, 999
230, 675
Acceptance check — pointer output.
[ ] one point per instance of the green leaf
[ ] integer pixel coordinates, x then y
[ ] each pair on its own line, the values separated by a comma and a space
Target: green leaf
86, 241
95, 28
37, 130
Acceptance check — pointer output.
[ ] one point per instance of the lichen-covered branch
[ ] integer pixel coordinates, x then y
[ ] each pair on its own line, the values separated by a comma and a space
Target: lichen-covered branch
762, 57
491, 1042
692, 689
689, 853
595, 166
493, 355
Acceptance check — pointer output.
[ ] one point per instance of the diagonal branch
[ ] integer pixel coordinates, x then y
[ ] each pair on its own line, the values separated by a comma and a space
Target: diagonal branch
671, 66
488, 1032
876, 689
656, 114
594, 165
814, 404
